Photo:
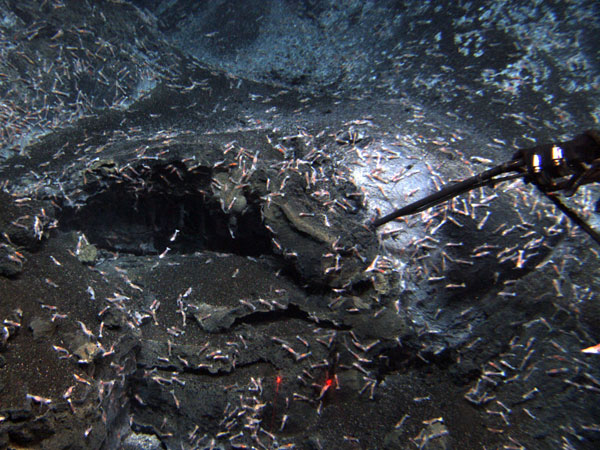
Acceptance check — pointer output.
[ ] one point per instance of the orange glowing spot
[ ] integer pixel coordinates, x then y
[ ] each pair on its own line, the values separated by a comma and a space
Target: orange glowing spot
595, 350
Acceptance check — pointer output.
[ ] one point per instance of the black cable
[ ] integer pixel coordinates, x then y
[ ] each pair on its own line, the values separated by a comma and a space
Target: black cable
486, 178
574, 217
483, 179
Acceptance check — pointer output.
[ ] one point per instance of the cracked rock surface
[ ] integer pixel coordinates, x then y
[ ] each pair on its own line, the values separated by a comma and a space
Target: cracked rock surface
186, 260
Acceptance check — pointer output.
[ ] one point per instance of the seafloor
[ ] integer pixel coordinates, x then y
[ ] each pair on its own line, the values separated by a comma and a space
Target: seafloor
186, 260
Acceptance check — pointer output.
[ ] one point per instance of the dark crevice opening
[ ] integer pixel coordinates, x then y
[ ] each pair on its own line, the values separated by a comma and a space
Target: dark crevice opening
139, 212
291, 312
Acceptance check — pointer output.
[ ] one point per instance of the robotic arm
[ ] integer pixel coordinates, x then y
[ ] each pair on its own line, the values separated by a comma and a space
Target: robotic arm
562, 166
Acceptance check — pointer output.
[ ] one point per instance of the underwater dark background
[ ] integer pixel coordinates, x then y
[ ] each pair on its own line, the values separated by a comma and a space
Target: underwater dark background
185, 256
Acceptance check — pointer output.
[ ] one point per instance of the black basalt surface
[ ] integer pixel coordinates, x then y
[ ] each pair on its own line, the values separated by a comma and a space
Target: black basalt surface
186, 260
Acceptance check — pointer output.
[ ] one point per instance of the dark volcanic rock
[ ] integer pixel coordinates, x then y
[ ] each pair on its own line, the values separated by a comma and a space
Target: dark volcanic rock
25, 224
114, 317
191, 248
42, 328
10, 262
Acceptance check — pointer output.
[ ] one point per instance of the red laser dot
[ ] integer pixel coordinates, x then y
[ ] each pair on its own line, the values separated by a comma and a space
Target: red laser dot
277, 384
329, 382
